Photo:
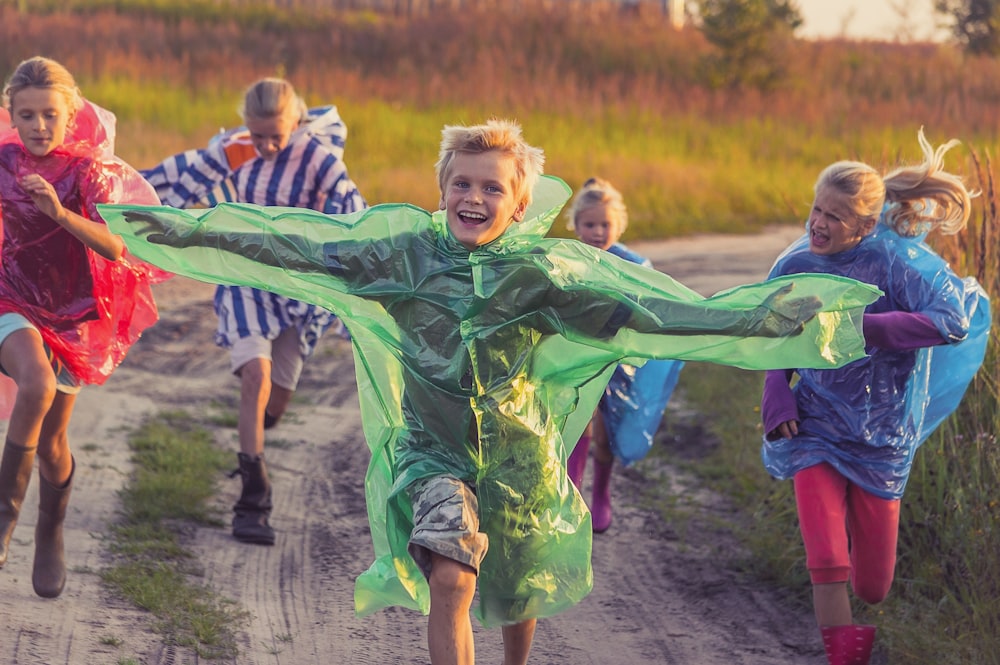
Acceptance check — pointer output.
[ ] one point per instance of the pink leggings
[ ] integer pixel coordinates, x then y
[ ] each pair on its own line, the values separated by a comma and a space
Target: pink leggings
849, 534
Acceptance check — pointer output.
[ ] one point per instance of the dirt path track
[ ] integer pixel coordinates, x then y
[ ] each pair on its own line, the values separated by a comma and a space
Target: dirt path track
660, 594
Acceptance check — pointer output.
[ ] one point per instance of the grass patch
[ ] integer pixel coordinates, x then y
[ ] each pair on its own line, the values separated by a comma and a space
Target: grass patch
169, 492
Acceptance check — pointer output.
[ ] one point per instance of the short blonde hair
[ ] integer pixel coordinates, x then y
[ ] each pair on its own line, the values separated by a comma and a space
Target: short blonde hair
599, 192
39, 72
269, 98
921, 198
503, 136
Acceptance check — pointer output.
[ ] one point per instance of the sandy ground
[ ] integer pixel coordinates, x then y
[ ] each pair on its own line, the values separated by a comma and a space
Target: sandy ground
661, 593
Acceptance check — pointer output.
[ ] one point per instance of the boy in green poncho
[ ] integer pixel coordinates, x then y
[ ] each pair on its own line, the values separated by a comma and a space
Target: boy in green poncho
481, 347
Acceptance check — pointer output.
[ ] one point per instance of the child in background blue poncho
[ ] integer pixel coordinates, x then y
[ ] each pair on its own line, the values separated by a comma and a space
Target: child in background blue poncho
632, 407
481, 348
847, 436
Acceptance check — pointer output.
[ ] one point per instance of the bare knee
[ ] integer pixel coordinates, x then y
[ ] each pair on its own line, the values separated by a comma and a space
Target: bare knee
451, 578
37, 391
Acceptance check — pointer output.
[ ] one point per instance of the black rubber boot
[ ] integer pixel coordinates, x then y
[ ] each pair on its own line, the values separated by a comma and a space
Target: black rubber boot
253, 509
15, 474
48, 576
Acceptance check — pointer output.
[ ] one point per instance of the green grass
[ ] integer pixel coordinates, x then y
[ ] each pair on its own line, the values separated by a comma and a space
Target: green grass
168, 494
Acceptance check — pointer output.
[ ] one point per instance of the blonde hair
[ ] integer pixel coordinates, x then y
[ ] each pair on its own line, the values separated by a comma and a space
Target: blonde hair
503, 136
269, 98
920, 198
40, 72
599, 192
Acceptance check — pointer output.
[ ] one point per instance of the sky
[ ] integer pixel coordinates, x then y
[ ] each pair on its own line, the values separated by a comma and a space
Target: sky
870, 19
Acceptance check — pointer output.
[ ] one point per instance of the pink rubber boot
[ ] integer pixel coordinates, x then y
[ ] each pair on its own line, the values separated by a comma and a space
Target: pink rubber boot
577, 462
600, 505
848, 645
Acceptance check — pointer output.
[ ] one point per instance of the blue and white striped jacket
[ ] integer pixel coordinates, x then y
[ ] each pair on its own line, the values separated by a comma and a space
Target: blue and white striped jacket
309, 173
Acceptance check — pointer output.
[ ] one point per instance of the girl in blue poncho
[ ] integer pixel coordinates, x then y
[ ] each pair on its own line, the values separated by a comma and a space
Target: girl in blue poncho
286, 155
847, 436
631, 409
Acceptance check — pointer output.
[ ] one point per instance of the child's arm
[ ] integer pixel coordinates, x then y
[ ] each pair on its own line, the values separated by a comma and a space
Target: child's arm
777, 316
295, 253
901, 331
778, 411
94, 235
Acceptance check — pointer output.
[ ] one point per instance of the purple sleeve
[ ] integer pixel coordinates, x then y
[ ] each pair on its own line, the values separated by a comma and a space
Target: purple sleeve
777, 404
901, 331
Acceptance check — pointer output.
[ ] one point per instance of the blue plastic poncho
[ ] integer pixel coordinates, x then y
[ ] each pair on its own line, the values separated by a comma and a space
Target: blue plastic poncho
483, 364
637, 394
868, 418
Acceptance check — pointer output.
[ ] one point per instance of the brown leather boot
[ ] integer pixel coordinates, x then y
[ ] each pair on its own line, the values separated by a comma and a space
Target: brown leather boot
48, 576
252, 510
15, 474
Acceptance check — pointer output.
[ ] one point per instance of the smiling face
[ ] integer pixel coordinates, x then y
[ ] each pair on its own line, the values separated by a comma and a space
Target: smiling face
40, 116
271, 135
479, 197
598, 225
833, 225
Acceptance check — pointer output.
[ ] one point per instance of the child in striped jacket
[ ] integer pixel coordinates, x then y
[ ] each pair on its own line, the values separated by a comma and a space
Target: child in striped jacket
285, 155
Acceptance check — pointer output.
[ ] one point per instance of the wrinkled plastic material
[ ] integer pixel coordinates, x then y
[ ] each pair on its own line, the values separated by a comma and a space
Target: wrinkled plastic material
309, 172
483, 365
636, 396
633, 406
88, 309
868, 418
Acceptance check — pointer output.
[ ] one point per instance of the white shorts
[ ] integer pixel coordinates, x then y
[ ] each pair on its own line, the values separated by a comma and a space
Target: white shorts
283, 352
10, 323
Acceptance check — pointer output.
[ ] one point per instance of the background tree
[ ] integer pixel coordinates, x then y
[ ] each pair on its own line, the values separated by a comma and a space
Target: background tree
975, 23
752, 39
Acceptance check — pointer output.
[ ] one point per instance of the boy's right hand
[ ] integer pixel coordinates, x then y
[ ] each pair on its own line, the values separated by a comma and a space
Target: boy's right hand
176, 231
781, 316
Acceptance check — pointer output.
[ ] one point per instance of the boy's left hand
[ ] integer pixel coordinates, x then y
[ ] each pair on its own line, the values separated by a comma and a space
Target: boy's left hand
783, 316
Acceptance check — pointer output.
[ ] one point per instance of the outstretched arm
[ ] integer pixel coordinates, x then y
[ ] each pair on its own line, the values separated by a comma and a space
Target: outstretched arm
179, 230
777, 316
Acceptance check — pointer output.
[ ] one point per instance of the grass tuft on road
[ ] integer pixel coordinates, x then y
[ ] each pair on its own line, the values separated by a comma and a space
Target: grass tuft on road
169, 493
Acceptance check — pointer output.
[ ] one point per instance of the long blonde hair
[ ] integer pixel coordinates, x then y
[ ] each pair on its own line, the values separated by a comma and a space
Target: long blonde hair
915, 199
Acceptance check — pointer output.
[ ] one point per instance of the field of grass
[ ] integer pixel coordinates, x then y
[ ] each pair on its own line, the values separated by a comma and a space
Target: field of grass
625, 97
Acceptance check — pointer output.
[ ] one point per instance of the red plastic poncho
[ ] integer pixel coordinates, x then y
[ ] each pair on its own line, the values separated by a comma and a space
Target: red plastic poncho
89, 310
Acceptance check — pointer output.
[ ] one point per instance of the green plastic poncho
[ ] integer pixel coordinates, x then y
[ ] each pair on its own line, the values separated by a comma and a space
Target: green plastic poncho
484, 364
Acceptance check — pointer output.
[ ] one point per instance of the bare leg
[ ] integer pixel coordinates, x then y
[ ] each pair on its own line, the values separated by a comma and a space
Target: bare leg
23, 357
277, 404
449, 628
832, 604
255, 389
55, 462
517, 642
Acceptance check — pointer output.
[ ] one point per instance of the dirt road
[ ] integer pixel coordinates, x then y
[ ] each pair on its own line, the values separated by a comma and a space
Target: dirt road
661, 593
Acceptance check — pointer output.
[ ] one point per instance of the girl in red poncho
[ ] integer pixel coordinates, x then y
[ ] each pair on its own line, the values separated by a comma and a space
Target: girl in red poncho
71, 304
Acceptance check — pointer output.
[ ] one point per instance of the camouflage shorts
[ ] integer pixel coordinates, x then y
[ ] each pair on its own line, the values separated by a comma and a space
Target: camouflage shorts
446, 522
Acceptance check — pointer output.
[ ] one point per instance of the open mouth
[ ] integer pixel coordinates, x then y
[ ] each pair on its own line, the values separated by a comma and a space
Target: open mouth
471, 218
